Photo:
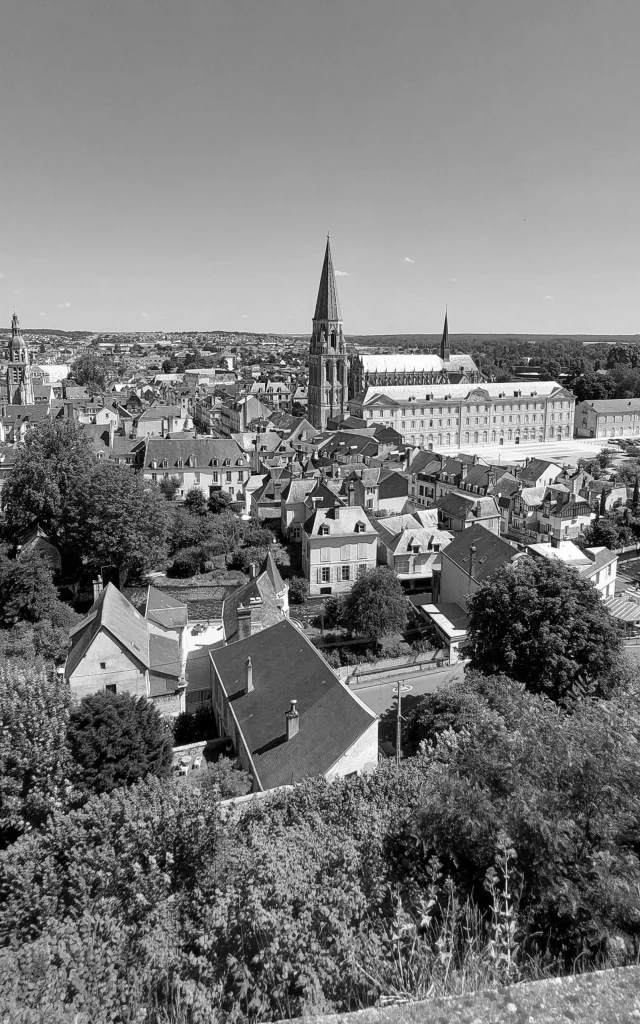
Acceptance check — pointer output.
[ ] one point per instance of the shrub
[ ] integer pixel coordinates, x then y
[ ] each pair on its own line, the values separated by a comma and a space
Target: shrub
189, 728
298, 589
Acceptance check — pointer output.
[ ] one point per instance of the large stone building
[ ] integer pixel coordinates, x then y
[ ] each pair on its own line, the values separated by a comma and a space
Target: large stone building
615, 417
334, 376
19, 385
451, 415
381, 369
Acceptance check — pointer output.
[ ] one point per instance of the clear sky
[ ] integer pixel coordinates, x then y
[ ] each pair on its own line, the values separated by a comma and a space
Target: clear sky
177, 165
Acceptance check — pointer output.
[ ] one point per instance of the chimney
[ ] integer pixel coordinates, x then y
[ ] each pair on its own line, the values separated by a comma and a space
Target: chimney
97, 588
465, 470
351, 490
249, 676
244, 621
292, 721
472, 560
253, 572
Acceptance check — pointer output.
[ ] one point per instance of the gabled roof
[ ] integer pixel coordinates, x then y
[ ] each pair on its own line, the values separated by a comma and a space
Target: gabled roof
341, 522
165, 609
490, 553
205, 450
423, 537
298, 490
536, 468
327, 304
272, 572
463, 506
286, 667
113, 613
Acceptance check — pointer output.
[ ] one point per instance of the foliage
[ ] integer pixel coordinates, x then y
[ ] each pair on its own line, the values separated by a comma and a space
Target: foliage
189, 728
34, 711
168, 487
117, 739
224, 780
195, 502
333, 611
188, 562
376, 604
538, 622
55, 460
90, 369
218, 502
27, 591
298, 589
591, 386
27, 641
116, 518
244, 557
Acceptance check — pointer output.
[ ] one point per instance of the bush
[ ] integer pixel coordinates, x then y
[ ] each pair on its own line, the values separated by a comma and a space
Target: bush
117, 739
298, 589
224, 779
190, 728
187, 563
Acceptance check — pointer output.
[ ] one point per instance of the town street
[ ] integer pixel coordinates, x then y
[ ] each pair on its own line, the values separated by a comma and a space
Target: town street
380, 696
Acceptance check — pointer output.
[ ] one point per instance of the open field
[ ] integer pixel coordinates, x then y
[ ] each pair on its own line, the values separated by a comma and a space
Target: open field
566, 452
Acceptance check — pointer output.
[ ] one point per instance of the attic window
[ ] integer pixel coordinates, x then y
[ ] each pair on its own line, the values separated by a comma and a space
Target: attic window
180, 463
215, 462
360, 528
192, 460
227, 462
165, 464
154, 464
239, 462
324, 530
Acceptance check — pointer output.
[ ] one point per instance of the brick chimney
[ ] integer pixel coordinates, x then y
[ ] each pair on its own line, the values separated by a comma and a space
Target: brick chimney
244, 621
248, 676
472, 560
292, 721
351, 489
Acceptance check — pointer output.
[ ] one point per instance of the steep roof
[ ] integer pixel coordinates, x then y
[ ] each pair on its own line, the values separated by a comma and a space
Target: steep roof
341, 521
491, 552
461, 506
287, 667
112, 612
205, 450
273, 573
327, 304
165, 609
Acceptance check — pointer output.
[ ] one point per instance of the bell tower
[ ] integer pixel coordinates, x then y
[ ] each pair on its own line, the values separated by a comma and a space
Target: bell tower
328, 360
19, 383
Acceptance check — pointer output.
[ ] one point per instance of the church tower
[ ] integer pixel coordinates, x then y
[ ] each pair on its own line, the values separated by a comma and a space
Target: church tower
328, 360
445, 348
19, 383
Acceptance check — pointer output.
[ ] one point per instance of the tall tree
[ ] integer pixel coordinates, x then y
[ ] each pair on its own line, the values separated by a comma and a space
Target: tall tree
117, 518
195, 502
54, 460
34, 760
90, 369
538, 622
376, 605
116, 740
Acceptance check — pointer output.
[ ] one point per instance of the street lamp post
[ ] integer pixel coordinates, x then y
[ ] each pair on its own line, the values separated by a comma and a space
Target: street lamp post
399, 724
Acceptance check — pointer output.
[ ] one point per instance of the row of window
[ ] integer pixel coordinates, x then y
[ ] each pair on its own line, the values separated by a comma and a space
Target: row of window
192, 461
339, 573
215, 477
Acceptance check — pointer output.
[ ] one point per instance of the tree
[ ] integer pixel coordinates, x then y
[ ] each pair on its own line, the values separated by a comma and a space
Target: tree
376, 604
34, 760
591, 386
55, 459
606, 532
298, 589
168, 487
539, 623
635, 501
224, 779
90, 369
116, 740
117, 518
27, 591
195, 502
219, 501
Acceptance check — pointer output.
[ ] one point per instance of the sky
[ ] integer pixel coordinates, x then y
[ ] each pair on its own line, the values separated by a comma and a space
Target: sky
177, 166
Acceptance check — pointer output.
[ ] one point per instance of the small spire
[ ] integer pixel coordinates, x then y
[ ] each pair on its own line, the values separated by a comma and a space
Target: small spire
445, 351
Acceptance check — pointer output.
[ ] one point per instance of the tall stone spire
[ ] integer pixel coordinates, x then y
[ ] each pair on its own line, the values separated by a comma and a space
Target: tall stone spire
445, 349
19, 386
328, 361
327, 305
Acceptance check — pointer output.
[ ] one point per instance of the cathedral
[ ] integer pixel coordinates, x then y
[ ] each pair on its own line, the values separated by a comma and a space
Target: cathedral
19, 386
334, 377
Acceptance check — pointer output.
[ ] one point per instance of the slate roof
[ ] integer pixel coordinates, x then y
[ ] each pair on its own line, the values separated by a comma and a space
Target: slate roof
341, 520
397, 394
462, 506
112, 612
424, 537
165, 609
164, 655
205, 450
491, 552
616, 405
534, 469
286, 666
327, 304
156, 412
425, 461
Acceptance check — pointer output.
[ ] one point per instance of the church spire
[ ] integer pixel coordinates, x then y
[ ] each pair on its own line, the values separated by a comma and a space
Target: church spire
327, 305
445, 349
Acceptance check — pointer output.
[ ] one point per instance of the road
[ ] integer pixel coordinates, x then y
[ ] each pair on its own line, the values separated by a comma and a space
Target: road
380, 697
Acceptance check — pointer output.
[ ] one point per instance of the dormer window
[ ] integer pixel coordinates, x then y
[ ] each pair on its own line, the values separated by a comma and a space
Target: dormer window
360, 528
192, 460
154, 464
180, 463
324, 530
227, 462
165, 464
215, 462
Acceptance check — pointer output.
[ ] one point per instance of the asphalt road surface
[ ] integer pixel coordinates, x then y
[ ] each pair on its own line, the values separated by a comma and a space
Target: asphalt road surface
381, 697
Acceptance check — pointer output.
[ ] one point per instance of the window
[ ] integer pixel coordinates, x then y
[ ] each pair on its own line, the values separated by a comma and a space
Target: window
345, 573
110, 688
196, 477
324, 530
362, 567
103, 664
214, 478
228, 477
402, 565
325, 574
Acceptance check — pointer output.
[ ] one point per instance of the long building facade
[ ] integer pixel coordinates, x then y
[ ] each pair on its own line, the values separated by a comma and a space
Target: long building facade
335, 376
615, 417
451, 415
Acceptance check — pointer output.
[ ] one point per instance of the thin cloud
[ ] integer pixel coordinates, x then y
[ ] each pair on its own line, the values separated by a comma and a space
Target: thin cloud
341, 273
244, 316
145, 316
43, 314
408, 259
548, 298
64, 305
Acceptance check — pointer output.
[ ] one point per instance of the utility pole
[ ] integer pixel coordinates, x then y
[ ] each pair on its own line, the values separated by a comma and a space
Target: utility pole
399, 724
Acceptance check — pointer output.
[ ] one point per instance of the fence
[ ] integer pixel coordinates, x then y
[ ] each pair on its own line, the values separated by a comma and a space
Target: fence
425, 662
